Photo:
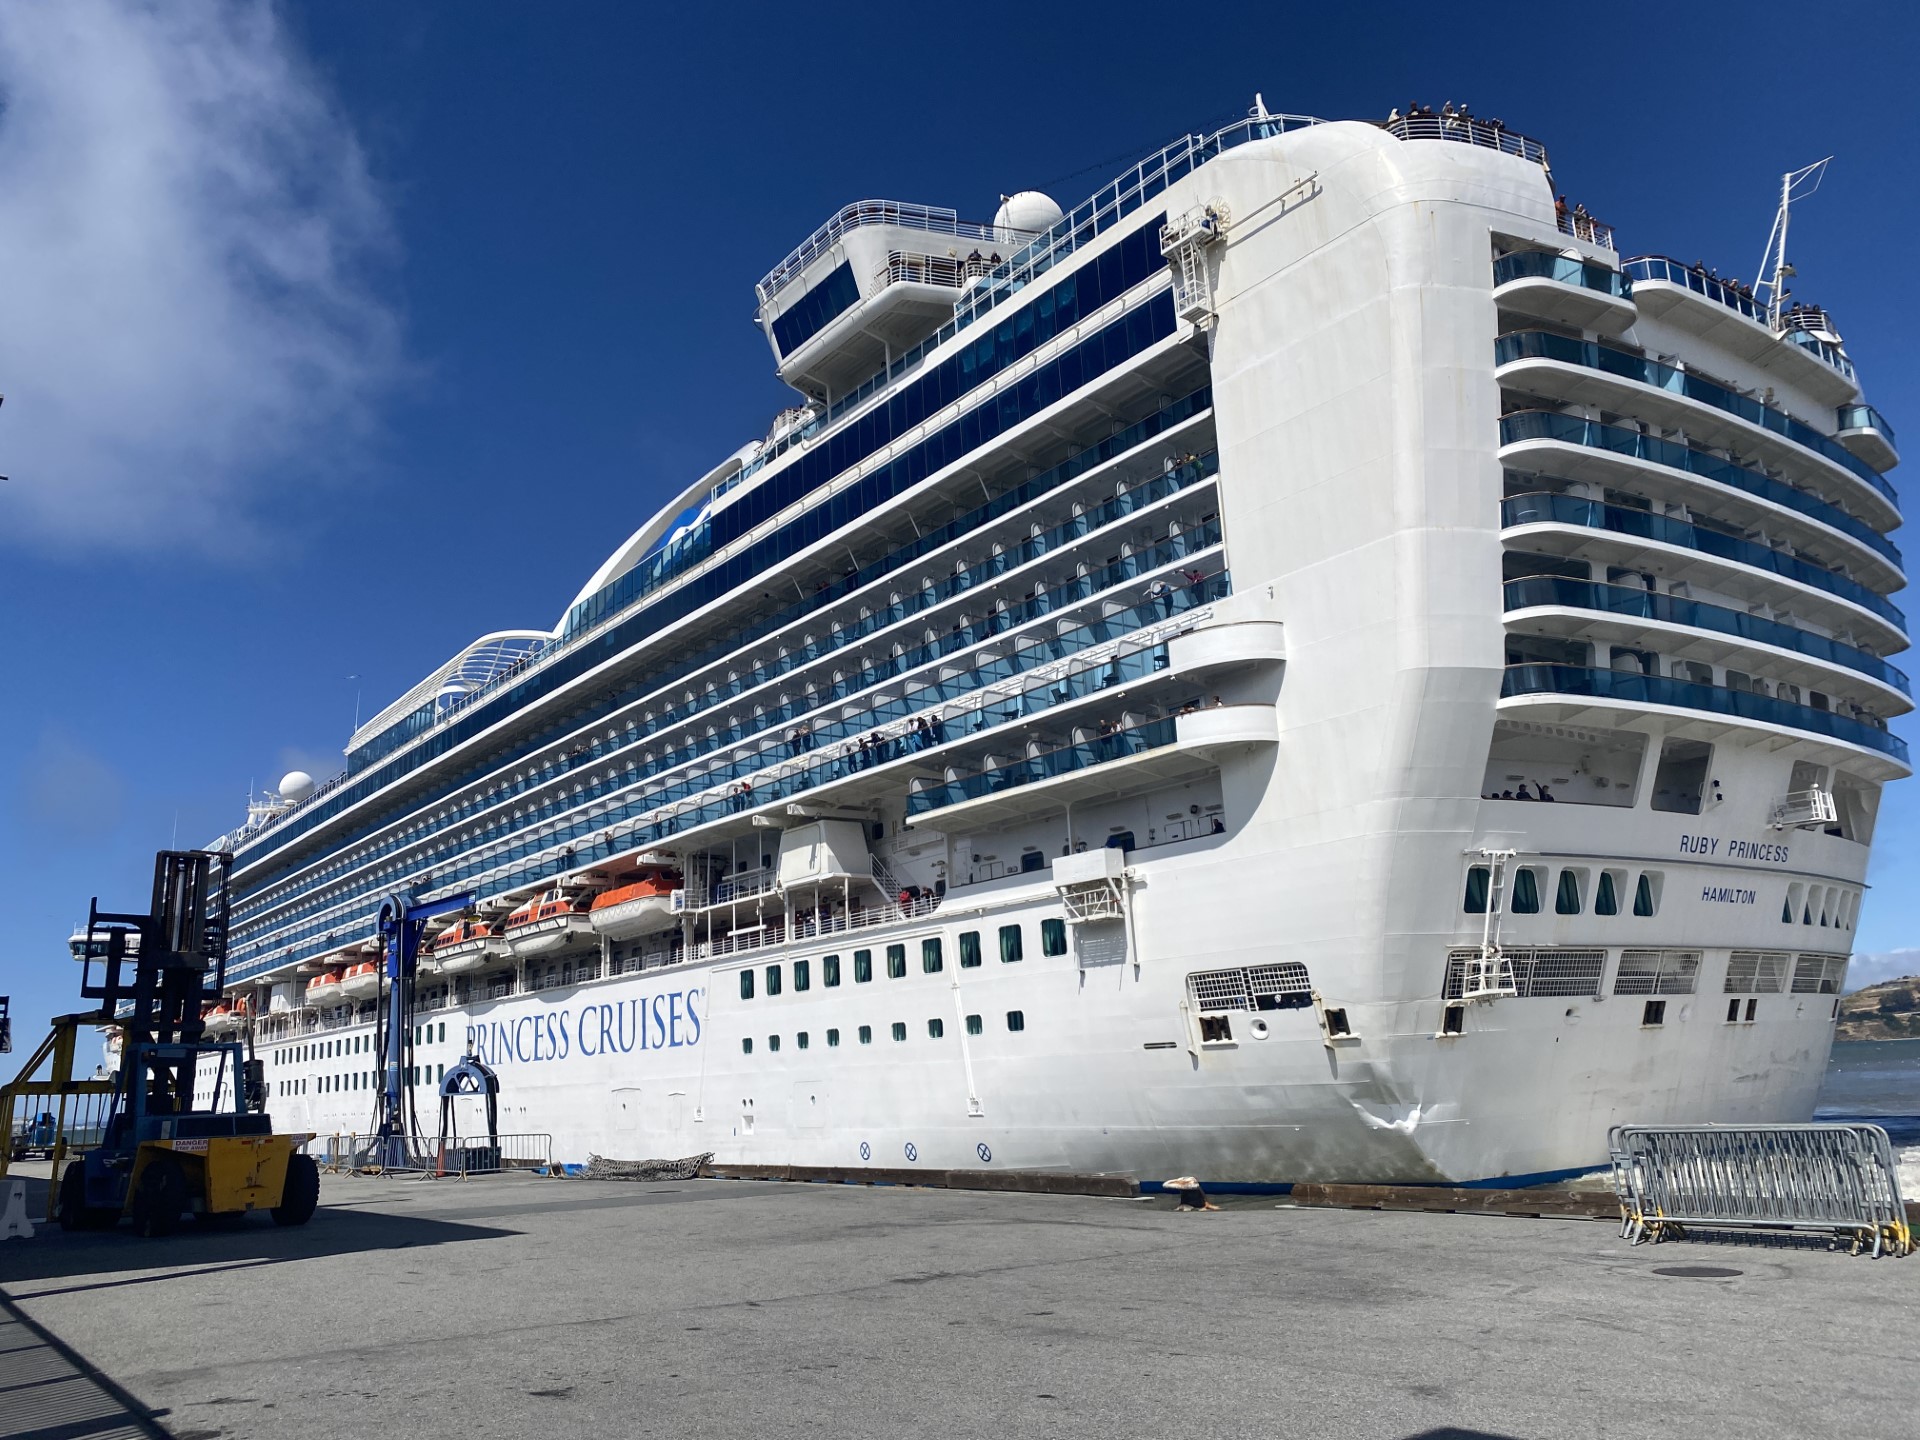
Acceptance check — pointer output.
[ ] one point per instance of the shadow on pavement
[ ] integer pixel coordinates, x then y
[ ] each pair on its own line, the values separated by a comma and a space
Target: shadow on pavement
104, 1257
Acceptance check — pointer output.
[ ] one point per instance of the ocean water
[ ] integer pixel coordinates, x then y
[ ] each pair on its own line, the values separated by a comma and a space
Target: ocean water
1878, 1080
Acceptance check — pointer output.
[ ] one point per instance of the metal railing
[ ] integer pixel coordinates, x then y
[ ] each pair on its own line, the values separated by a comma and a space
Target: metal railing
1115, 745
1465, 130
1837, 1179
946, 270
934, 219
432, 1158
1584, 227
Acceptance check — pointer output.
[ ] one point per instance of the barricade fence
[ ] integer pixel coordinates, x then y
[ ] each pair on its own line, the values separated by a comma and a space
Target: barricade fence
432, 1158
1838, 1179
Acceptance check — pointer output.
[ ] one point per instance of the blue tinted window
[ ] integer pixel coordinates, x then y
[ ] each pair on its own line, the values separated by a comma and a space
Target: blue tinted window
805, 318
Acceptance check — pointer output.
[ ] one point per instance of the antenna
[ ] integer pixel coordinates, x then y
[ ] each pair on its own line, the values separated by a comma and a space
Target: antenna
1774, 269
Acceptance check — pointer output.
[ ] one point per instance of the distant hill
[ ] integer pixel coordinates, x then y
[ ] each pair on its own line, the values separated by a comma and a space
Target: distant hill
1887, 1011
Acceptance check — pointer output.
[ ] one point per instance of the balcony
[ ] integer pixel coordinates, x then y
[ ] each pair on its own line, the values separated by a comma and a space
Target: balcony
1631, 603
1465, 130
1644, 458
1624, 689
899, 214
1544, 508
1564, 289
1734, 320
1864, 433
1586, 372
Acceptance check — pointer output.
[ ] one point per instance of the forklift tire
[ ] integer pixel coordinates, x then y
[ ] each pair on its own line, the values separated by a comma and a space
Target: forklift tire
301, 1195
163, 1197
75, 1213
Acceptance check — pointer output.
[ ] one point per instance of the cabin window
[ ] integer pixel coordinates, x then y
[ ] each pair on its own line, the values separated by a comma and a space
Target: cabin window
1566, 899
969, 949
802, 975
1645, 899
830, 971
801, 1040
1053, 937
773, 980
1011, 946
936, 1028
896, 962
866, 1034
1606, 896
833, 1039
974, 1027
862, 966
746, 984
899, 1030
1016, 1019
773, 1042
746, 1044
1526, 894
1478, 878
931, 960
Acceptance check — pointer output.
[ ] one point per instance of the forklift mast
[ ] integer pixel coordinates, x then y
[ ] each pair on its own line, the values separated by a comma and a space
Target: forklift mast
159, 970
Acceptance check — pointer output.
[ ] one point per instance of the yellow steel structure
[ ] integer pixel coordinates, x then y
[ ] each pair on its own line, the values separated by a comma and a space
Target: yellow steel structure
60, 1088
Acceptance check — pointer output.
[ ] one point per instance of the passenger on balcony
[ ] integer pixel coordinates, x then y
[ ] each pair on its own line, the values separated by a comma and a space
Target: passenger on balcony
1523, 793
1161, 594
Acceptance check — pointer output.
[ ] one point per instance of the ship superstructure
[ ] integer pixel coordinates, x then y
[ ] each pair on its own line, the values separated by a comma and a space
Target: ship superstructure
1304, 667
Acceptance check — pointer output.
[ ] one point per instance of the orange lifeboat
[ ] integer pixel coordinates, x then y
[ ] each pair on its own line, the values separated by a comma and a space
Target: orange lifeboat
546, 923
324, 988
468, 946
361, 982
641, 908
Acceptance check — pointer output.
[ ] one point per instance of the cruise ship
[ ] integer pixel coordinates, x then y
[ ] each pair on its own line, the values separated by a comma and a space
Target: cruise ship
1306, 666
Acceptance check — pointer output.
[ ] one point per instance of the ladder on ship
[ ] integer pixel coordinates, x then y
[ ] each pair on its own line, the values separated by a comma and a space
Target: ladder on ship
1490, 974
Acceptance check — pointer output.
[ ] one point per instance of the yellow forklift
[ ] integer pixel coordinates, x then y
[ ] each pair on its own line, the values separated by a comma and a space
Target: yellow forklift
186, 1130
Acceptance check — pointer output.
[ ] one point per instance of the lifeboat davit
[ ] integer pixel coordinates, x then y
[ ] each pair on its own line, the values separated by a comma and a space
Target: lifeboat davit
467, 947
324, 989
547, 923
361, 982
642, 908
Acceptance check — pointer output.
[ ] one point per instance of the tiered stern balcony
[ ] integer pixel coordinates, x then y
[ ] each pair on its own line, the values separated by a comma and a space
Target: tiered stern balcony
1733, 320
1564, 290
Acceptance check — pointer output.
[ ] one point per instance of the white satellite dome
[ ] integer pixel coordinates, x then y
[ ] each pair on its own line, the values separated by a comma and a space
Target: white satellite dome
1029, 210
295, 786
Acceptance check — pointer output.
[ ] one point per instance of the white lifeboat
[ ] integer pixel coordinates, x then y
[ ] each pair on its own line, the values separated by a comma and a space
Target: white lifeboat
467, 947
324, 989
544, 924
361, 982
644, 907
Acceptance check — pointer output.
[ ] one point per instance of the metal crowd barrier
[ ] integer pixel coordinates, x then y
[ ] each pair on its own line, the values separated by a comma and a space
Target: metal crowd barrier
432, 1159
1831, 1178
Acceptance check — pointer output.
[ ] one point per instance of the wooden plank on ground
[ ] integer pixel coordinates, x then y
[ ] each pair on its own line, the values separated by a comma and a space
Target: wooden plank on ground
1548, 1201
1032, 1182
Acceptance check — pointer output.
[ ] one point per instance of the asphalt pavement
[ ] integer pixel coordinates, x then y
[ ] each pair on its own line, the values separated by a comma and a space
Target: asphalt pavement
513, 1307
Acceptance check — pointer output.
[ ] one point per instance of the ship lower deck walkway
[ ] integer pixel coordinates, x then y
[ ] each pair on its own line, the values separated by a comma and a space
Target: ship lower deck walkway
752, 1308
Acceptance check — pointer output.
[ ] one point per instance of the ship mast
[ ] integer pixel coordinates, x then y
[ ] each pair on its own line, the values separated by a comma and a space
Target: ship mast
1774, 269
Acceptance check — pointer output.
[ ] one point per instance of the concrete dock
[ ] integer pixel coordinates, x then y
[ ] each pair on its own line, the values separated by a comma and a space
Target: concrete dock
515, 1307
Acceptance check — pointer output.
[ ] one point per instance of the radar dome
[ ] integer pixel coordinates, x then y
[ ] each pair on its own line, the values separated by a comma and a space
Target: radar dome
1029, 210
295, 786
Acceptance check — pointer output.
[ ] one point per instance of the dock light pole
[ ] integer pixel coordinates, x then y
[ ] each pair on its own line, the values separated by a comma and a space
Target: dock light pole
403, 921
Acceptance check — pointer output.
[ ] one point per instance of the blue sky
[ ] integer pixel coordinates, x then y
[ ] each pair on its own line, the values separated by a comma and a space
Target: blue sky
333, 336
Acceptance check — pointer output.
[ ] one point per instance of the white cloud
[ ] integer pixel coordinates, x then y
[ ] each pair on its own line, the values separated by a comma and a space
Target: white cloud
1871, 969
187, 227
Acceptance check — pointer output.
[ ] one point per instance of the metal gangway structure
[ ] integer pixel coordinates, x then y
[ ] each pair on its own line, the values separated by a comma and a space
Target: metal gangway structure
1837, 1179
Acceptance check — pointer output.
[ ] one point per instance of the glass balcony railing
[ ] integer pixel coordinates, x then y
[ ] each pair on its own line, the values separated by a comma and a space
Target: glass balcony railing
1549, 265
521, 849
1063, 761
1865, 417
1659, 267
1631, 600
1821, 349
1538, 345
1539, 507
1550, 425
1542, 679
